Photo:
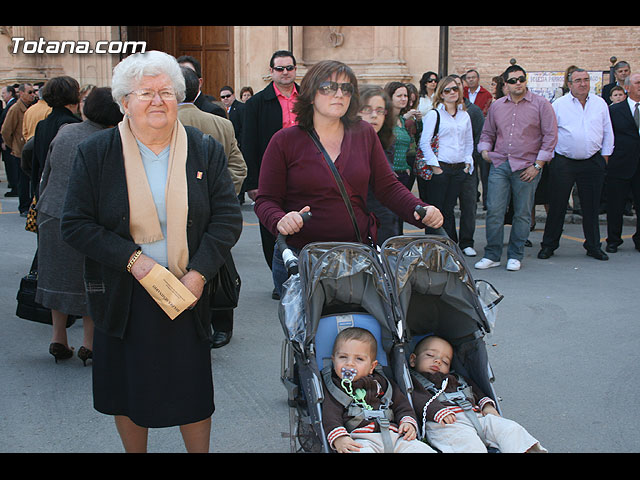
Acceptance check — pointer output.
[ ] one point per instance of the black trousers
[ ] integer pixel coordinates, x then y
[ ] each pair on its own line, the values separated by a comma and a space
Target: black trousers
617, 196
588, 175
443, 191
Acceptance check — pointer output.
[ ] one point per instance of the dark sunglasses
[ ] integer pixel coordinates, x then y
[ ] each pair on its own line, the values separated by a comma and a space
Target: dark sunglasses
331, 88
288, 68
513, 81
432, 80
450, 89
224, 97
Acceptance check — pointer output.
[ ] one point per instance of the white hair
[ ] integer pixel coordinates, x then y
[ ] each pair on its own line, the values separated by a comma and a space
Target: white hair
130, 71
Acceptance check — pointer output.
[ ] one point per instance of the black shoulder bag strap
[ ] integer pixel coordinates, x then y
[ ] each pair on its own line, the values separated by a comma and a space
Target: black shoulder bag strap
336, 175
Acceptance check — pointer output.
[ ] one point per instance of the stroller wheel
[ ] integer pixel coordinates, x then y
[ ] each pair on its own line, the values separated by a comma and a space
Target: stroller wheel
307, 437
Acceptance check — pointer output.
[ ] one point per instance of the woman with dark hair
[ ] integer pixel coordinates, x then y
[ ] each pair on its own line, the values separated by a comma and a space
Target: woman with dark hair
60, 267
427, 84
62, 94
399, 94
375, 108
296, 175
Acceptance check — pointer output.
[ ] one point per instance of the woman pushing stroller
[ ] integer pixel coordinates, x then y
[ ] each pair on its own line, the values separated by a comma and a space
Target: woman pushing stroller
303, 164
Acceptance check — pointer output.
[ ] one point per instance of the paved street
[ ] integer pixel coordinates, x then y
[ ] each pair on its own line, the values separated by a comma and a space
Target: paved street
564, 351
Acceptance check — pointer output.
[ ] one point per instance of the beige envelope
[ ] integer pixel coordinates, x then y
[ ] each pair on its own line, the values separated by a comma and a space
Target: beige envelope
167, 291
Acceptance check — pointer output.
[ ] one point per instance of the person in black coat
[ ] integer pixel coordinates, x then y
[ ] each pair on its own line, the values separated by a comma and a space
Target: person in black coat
263, 117
623, 169
62, 94
235, 109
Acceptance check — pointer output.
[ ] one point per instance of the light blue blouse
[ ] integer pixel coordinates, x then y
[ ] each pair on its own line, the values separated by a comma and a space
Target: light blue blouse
156, 168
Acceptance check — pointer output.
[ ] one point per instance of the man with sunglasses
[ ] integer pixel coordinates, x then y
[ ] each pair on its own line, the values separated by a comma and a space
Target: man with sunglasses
518, 138
235, 109
265, 113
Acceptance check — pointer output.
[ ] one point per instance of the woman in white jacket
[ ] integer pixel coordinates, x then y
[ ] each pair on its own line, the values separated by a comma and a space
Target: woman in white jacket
453, 159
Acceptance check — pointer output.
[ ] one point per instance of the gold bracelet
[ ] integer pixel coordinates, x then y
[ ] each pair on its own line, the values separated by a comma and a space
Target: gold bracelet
133, 259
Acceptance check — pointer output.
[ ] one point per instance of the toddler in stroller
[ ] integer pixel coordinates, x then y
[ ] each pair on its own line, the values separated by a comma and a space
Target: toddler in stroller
460, 419
363, 410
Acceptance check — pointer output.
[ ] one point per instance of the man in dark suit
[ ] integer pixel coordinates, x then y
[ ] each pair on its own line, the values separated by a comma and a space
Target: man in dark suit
621, 71
264, 114
623, 169
203, 102
235, 109
9, 96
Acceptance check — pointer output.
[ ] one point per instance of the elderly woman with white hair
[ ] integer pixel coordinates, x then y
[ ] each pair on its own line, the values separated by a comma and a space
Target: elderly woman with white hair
151, 191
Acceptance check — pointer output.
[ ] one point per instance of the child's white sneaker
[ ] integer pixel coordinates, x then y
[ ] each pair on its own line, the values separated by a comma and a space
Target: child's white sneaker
513, 265
486, 263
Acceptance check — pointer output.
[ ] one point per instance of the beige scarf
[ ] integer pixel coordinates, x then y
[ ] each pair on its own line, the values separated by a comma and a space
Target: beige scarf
144, 224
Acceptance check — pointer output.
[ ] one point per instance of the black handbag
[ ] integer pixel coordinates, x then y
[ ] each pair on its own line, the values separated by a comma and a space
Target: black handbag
225, 287
28, 308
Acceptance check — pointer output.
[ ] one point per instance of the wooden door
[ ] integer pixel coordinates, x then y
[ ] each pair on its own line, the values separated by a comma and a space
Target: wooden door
211, 45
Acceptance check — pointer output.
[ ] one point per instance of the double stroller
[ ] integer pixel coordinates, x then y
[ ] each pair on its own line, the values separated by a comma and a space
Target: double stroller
414, 286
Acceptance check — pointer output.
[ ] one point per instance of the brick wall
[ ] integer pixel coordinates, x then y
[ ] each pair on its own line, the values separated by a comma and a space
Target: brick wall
540, 48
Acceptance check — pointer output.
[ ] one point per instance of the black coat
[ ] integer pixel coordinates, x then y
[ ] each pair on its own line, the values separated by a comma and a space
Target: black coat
236, 115
45, 132
624, 160
262, 118
95, 221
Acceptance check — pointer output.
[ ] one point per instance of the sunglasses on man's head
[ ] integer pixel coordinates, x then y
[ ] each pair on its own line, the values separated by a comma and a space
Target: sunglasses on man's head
288, 68
513, 81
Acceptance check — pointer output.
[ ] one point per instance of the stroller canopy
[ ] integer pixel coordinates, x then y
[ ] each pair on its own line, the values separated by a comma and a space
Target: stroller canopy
433, 287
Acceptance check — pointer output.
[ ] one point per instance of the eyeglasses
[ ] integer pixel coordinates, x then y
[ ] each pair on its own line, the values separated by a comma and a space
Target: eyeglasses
288, 68
331, 88
450, 89
513, 81
149, 95
368, 110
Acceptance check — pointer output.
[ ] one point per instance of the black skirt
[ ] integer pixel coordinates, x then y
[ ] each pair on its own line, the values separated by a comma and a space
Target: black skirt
159, 374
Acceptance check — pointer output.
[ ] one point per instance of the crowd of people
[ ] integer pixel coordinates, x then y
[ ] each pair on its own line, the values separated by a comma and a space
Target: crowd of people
151, 172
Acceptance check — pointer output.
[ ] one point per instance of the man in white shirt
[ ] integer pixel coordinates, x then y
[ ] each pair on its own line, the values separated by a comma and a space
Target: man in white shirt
585, 141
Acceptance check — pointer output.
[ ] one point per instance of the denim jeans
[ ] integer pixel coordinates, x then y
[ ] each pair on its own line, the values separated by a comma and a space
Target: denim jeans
278, 270
503, 183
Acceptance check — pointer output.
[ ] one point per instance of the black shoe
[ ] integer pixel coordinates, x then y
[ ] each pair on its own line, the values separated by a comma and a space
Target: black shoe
611, 248
598, 255
11, 194
60, 351
220, 339
275, 295
527, 243
544, 253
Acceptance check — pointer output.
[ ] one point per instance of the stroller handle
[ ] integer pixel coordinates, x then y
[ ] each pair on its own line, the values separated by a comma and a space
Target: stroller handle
420, 210
289, 258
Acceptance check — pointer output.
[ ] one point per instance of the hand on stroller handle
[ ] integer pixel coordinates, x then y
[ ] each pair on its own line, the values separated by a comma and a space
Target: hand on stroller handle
435, 220
290, 260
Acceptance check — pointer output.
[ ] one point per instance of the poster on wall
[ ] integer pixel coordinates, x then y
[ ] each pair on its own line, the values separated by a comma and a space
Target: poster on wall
549, 84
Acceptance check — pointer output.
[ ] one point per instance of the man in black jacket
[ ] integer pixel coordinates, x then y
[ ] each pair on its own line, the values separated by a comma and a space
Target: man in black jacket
235, 109
621, 71
264, 115
202, 101
623, 169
